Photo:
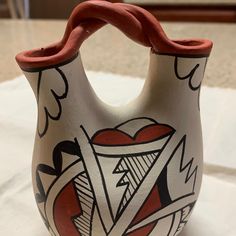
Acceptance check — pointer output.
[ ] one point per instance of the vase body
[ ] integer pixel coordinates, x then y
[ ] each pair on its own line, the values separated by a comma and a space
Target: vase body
133, 170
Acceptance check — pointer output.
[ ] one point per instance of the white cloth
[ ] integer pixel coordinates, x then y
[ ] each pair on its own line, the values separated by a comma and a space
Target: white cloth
215, 212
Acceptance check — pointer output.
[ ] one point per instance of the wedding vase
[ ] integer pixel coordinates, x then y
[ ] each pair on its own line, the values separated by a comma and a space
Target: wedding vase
101, 170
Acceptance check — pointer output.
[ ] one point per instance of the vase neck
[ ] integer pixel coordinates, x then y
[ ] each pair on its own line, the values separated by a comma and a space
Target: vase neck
174, 77
58, 78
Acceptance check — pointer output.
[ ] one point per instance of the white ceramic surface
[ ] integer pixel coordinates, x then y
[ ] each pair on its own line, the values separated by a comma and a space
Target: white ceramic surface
129, 170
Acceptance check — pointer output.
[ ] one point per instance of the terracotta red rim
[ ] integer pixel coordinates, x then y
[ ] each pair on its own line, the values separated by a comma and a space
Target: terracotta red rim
135, 22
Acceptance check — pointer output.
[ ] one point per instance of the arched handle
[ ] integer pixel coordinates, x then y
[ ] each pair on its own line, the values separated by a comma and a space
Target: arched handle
133, 21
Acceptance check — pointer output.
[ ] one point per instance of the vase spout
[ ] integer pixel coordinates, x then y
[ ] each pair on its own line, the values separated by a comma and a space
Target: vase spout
174, 78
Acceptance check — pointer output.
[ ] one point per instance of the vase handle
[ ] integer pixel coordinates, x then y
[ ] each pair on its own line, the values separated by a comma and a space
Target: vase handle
135, 22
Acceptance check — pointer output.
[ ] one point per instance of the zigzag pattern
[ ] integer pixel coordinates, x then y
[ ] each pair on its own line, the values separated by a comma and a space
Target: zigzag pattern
187, 166
135, 169
68, 147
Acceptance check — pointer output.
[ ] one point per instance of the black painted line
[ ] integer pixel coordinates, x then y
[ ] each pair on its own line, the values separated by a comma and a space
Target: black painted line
137, 163
137, 167
85, 204
172, 224
130, 181
82, 222
102, 178
131, 173
141, 165
84, 227
84, 180
154, 156
57, 98
134, 171
184, 55
144, 159
138, 118
128, 193
149, 159
83, 193
79, 186
86, 199
84, 231
79, 182
86, 217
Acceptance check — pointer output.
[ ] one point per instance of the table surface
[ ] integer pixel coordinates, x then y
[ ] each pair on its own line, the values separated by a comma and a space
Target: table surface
110, 51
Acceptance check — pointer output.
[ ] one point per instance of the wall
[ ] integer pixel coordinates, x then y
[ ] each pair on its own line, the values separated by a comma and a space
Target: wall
52, 9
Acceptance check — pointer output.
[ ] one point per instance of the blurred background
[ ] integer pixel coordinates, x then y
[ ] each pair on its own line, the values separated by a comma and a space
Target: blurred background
182, 10
28, 24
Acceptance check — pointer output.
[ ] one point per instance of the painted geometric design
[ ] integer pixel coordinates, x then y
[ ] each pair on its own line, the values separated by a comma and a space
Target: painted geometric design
134, 197
145, 230
125, 169
183, 169
153, 203
185, 214
66, 206
49, 96
86, 199
192, 73
168, 225
135, 168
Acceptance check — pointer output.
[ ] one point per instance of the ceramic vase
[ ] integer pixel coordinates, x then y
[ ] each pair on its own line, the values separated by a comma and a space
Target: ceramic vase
132, 170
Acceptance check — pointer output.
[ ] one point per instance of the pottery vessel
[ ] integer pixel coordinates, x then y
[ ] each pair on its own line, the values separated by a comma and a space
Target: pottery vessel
133, 170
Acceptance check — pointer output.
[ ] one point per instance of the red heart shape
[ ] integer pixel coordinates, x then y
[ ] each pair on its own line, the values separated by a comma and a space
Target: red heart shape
114, 137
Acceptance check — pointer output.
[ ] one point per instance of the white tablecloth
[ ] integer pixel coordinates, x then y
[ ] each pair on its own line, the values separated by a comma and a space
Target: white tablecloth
215, 212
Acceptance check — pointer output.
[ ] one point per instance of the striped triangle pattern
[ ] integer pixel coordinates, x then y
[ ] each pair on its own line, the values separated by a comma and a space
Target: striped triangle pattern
135, 169
86, 199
